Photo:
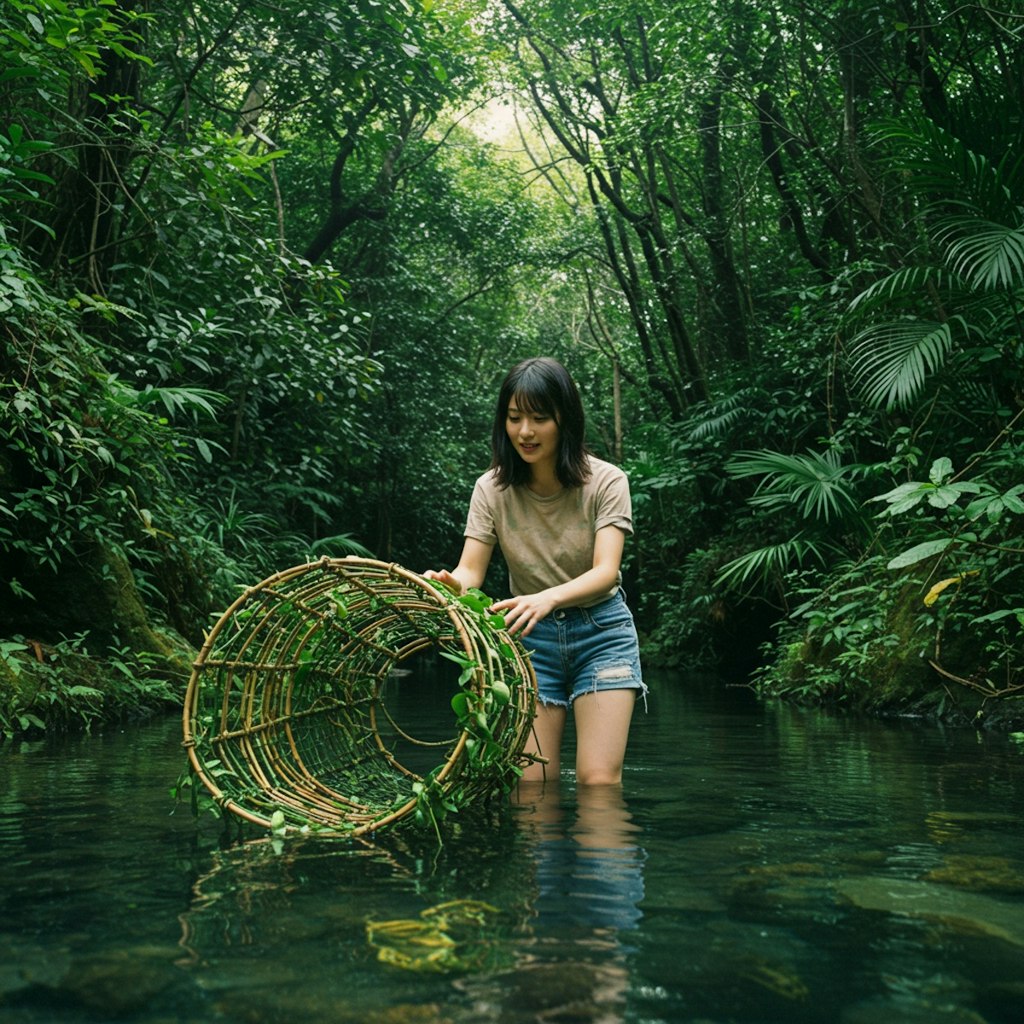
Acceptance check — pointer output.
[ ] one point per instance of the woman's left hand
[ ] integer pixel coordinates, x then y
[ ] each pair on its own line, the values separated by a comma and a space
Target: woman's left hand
524, 612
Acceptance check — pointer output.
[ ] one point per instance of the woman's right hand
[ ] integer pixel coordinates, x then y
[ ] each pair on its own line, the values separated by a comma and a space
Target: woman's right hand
445, 577
470, 571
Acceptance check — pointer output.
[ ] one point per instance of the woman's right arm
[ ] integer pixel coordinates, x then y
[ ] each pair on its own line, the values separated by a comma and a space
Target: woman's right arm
471, 570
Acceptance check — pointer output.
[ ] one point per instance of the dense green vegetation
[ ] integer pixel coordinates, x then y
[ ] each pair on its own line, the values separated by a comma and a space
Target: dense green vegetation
261, 269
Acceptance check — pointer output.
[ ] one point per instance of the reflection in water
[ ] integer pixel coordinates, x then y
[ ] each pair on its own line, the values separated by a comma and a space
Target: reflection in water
563, 873
573, 963
589, 866
257, 893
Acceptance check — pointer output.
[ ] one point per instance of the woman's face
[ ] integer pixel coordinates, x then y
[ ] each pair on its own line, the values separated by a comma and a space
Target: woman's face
534, 435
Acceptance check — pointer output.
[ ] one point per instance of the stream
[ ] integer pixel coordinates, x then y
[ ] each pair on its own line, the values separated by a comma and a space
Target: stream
760, 864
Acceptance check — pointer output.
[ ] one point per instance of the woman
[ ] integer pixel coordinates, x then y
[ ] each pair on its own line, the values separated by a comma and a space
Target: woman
561, 517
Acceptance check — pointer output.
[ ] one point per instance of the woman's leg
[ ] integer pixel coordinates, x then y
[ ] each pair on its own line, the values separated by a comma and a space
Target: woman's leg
546, 740
602, 729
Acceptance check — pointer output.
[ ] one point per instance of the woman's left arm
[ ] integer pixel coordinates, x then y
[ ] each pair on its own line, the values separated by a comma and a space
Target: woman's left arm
524, 612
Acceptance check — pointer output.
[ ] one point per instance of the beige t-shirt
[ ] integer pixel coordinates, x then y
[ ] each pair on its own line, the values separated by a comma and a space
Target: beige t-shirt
548, 541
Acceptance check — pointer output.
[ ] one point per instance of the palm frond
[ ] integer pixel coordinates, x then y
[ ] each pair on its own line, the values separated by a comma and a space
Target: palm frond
990, 122
907, 282
891, 362
942, 165
716, 419
770, 563
988, 255
340, 544
978, 400
816, 485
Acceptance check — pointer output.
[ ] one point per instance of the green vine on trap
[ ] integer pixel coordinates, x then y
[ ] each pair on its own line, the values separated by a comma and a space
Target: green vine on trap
286, 716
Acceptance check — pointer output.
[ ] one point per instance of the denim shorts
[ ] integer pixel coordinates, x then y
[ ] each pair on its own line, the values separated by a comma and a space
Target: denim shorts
576, 651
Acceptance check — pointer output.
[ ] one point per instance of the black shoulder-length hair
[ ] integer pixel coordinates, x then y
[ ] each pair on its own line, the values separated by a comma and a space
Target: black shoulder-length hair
540, 385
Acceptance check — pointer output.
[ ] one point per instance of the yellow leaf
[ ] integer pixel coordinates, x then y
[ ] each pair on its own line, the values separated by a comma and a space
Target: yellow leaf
933, 595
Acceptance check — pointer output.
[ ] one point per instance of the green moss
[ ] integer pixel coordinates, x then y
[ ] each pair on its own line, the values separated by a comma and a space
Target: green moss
117, 616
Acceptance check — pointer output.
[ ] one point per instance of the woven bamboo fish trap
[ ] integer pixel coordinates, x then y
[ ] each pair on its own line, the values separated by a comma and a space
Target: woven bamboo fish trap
287, 720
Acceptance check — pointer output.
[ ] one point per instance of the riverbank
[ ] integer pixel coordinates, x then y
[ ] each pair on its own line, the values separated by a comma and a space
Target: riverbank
47, 688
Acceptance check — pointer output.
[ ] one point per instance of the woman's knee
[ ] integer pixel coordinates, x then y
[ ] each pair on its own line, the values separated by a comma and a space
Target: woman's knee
598, 775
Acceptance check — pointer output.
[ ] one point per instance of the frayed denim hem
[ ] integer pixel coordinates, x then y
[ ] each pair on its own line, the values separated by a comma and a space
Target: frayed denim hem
548, 703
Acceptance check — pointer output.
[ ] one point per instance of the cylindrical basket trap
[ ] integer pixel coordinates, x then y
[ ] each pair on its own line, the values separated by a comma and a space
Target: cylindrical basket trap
287, 707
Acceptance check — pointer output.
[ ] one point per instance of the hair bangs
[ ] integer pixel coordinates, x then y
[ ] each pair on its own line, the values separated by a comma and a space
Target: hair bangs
533, 399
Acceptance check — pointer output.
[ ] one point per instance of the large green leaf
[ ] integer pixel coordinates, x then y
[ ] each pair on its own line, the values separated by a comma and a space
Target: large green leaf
918, 553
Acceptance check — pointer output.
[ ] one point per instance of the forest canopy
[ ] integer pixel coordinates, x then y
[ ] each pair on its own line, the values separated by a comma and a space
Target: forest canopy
263, 265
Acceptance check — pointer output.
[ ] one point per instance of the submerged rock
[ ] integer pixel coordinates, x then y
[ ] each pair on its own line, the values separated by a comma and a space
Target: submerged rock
26, 966
581, 992
784, 893
987, 874
117, 982
952, 826
971, 913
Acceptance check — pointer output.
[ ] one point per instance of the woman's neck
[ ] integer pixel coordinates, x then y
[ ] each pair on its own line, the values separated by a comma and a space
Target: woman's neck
544, 481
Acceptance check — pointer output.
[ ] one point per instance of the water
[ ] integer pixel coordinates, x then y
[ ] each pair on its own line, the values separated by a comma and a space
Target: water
761, 865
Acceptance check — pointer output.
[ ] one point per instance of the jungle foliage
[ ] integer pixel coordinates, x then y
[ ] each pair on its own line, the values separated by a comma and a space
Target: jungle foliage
261, 271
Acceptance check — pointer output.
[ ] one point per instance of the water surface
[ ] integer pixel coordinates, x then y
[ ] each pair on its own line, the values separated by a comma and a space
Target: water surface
760, 865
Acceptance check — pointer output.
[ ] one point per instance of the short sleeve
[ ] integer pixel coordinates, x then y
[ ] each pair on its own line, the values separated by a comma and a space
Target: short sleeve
613, 506
480, 524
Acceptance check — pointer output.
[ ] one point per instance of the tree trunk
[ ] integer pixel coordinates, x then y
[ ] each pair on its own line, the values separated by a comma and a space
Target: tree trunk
732, 322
